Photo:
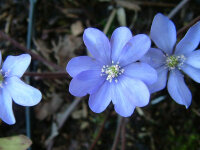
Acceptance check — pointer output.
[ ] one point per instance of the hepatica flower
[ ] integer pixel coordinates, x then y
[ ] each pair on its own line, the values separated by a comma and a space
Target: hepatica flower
112, 73
171, 59
11, 87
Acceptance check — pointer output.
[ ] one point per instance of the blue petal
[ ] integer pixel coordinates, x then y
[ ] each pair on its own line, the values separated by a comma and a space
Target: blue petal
193, 59
101, 98
6, 112
118, 40
22, 93
16, 65
82, 63
177, 88
135, 49
190, 41
98, 44
129, 93
87, 82
163, 33
141, 71
161, 81
154, 57
194, 73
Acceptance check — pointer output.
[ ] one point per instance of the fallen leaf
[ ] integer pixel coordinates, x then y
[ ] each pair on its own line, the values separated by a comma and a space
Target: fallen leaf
77, 28
49, 108
19, 142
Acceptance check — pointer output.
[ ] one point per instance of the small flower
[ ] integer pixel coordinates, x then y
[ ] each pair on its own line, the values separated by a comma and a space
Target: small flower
174, 59
11, 87
112, 74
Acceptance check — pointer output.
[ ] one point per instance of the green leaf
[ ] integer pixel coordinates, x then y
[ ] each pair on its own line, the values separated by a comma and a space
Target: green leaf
19, 142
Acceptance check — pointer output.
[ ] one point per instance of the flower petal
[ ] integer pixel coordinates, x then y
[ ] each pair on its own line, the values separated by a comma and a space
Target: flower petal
82, 63
128, 93
134, 49
98, 44
154, 57
86, 82
118, 40
193, 59
101, 98
190, 41
161, 80
141, 71
194, 73
16, 65
22, 93
163, 33
177, 88
6, 112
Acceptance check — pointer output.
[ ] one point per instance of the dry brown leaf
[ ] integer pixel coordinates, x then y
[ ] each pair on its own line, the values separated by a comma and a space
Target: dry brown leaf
42, 48
77, 28
128, 4
65, 48
46, 109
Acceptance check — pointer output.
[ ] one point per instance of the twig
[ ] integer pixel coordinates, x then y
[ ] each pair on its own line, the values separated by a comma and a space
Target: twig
34, 55
154, 4
61, 118
47, 74
110, 20
100, 131
28, 45
59, 122
188, 26
117, 133
123, 134
177, 8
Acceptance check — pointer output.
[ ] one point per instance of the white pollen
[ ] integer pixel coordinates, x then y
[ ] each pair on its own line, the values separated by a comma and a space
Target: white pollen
112, 71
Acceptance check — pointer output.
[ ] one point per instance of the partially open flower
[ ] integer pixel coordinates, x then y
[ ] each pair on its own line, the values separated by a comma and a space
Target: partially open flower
11, 87
175, 59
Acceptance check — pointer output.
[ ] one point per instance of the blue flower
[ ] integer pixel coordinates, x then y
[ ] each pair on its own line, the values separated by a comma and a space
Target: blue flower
113, 73
173, 59
11, 87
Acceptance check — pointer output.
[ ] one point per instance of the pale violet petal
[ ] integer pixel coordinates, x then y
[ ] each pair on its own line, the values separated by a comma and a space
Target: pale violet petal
141, 71
190, 41
134, 49
154, 57
177, 88
161, 80
86, 82
118, 40
194, 73
16, 65
99, 100
22, 93
82, 63
6, 111
193, 59
98, 44
129, 93
163, 33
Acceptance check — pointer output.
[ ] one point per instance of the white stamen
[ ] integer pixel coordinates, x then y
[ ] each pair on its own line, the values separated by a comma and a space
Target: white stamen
112, 71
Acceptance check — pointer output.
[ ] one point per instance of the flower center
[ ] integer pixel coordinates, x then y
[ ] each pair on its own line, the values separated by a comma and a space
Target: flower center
175, 61
112, 71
